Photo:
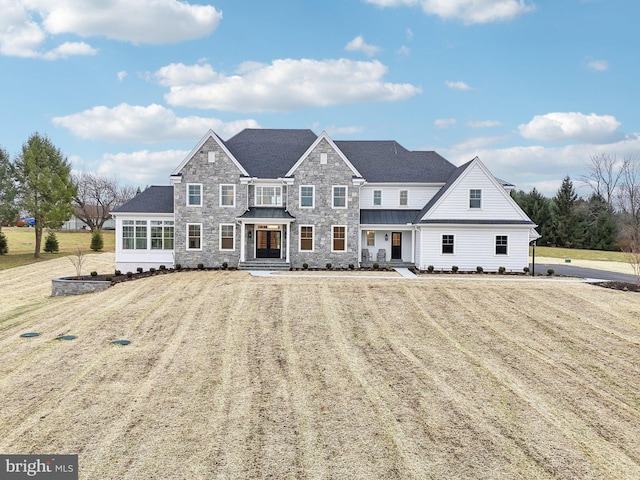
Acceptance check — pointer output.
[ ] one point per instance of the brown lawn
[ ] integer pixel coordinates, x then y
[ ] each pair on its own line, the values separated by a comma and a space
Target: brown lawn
233, 376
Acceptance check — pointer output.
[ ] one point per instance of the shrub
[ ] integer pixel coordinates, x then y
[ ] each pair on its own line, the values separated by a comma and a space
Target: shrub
178, 266
152, 270
501, 270
430, 269
225, 265
94, 274
550, 271
329, 266
351, 266
525, 269
479, 269
376, 266
139, 269
117, 273
454, 269
129, 274
4, 244
51, 243
305, 266
201, 266
163, 267
97, 241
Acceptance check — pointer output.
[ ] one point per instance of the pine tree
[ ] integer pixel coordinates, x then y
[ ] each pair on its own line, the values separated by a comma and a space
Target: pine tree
97, 242
4, 244
51, 243
566, 228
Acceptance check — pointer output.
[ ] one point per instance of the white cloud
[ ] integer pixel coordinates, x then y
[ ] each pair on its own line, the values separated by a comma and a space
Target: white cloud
25, 25
122, 75
596, 65
457, 85
152, 124
404, 50
285, 84
561, 126
467, 11
142, 167
359, 45
444, 122
483, 123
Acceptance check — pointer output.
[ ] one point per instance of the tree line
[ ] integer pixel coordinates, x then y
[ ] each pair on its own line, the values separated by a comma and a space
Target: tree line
607, 219
39, 183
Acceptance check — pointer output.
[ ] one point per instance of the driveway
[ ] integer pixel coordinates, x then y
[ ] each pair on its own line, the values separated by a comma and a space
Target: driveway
582, 272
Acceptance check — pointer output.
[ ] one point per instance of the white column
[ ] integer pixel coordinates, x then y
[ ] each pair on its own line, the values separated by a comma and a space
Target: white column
413, 245
359, 245
288, 239
242, 245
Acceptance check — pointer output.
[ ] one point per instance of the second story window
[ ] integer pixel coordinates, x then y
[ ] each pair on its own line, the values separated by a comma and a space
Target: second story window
340, 197
404, 198
306, 196
227, 195
268, 196
475, 198
194, 194
377, 197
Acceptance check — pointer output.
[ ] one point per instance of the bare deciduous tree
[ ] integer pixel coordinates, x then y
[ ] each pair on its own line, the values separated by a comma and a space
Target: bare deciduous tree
604, 174
97, 196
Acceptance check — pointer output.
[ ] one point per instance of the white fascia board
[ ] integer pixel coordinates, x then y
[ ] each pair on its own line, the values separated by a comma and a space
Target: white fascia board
323, 136
405, 184
208, 135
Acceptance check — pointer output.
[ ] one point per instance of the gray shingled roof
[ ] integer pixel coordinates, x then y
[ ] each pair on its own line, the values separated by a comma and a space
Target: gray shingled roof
269, 153
388, 161
387, 217
155, 199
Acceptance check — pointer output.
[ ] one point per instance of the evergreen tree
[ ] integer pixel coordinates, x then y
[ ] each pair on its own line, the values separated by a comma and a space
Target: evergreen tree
538, 208
97, 242
51, 243
8, 210
600, 227
566, 231
46, 188
4, 244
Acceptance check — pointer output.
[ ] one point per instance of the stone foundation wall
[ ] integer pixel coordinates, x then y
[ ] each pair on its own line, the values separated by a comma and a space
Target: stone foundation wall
69, 286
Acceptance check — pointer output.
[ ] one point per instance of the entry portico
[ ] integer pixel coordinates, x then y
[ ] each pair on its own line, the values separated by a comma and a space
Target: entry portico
265, 233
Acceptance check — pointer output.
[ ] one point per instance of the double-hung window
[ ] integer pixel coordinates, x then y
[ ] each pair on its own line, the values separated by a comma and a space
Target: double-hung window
306, 196
227, 195
306, 238
194, 194
128, 234
339, 197
227, 235
339, 238
371, 238
161, 234
194, 236
502, 243
475, 198
404, 198
447, 244
268, 196
377, 198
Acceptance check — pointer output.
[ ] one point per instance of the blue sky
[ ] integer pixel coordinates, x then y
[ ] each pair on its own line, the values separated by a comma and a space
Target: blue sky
532, 87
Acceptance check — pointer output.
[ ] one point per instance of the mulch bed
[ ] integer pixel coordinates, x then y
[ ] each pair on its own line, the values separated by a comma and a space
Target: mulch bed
624, 286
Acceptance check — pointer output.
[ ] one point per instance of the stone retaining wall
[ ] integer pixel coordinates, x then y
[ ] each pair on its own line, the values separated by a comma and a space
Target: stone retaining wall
70, 286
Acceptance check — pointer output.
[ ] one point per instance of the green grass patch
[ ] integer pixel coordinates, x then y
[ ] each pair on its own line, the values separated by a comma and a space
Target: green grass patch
576, 254
22, 242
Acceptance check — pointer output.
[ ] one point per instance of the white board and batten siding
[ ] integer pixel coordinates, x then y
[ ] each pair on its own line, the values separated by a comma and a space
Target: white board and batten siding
473, 247
417, 197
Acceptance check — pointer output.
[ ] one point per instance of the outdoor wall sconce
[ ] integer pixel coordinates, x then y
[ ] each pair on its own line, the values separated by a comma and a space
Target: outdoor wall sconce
386, 237
249, 234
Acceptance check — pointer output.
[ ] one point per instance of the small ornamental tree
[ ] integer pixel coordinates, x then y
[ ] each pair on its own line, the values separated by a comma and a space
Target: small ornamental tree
51, 243
4, 245
97, 242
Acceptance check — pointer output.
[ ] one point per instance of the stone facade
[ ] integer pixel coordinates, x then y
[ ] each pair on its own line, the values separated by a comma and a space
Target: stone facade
210, 215
69, 286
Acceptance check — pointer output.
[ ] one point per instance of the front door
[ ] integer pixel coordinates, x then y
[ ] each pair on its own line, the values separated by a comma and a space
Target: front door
396, 245
268, 244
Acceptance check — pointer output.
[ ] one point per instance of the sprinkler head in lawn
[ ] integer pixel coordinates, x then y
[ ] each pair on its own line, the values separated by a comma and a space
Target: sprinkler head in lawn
30, 334
66, 337
120, 342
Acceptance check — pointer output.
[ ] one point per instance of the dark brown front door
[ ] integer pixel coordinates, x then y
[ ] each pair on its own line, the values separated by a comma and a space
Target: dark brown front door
396, 245
268, 244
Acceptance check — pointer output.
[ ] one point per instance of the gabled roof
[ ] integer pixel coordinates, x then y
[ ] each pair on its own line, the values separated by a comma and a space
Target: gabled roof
324, 136
155, 199
388, 161
203, 140
269, 153
452, 179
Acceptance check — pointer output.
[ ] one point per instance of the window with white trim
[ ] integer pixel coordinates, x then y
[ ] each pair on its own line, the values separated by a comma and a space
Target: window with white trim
194, 236
141, 235
128, 234
161, 234
475, 198
404, 198
371, 238
377, 197
268, 196
502, 244
340, 196
306, 238
227, 236
447, 244
194, 194
339, 238
227, 195
306, 196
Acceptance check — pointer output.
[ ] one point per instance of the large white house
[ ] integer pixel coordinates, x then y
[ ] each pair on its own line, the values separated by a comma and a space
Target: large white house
285, 198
